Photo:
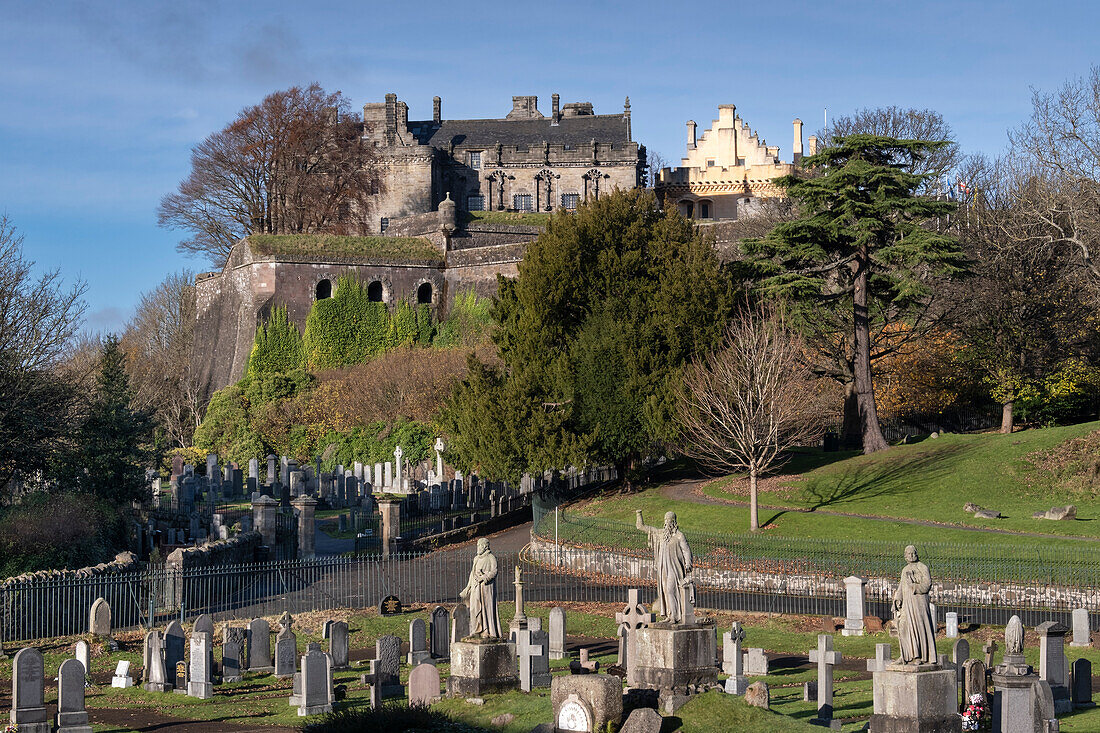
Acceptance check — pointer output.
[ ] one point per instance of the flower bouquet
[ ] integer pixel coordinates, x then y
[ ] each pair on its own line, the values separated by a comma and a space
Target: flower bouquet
977, 715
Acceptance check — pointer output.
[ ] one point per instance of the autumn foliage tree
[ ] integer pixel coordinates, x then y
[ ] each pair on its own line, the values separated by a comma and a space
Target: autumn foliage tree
296, 162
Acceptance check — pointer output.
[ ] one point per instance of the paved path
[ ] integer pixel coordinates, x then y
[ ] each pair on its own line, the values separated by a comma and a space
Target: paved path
325, 545
690, 490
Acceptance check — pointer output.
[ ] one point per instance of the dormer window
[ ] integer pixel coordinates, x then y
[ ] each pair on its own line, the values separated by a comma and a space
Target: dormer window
474, 158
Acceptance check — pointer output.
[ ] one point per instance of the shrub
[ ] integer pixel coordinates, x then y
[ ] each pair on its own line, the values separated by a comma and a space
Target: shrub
48, 531
278, 345
404, 329
468, 323
375, 443
346, 328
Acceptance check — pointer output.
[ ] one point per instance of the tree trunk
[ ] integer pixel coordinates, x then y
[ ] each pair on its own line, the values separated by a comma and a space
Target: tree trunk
1006, 417
754, 512
864, 387
851, 435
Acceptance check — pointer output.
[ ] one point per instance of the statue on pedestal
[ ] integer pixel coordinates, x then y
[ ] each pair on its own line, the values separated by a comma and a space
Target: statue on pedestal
916, 635
481, 591
672, 561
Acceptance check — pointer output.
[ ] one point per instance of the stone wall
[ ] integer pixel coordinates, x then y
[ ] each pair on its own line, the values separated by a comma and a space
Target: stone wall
240, 548
123, 562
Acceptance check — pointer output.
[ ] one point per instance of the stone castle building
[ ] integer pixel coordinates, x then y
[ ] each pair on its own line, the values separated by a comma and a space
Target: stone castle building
727, 171
435, 173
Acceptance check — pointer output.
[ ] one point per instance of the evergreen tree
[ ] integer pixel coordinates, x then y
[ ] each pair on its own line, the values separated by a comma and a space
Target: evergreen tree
112, 446
863, 238
278, 345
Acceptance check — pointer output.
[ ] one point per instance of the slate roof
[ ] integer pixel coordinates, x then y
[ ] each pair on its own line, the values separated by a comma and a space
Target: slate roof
575, 131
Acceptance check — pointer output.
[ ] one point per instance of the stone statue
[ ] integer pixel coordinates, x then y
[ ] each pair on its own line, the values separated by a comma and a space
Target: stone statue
916, 635
481, 591
672, 560
1014, 636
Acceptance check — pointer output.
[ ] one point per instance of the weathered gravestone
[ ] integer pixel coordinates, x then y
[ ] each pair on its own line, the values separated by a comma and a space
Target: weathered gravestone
232, 651
532, 653
1053, 666
84, 656
460, 622
951, 624
960, 652
156, 676
1082, 683
642, 720
1081, 630
385, 668
557, 633
259, 646
733, 663
853, 596
418, 642
592, 702
338, 644
756, 662
825, 658
286, 653
28, 707
974, 679
634, 616
204, 624
175, 650
424, 685
200, 683
71, 715
99, 618
122, 678
441, 632
316, 694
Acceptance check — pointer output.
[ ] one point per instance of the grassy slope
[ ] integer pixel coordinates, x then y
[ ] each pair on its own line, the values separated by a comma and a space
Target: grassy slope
399, 249
928, 481
533, 218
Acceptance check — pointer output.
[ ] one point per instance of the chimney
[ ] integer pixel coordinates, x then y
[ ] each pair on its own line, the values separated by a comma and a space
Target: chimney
391, 118
797, 155
813, 144
727, 113
626, 116
691, 134
555, 114
437, 110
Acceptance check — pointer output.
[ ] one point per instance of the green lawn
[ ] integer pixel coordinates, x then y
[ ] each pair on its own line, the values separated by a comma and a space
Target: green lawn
411, 250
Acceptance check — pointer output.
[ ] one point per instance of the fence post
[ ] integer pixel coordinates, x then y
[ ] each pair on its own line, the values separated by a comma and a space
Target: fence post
306, 505
390, 509
263, 517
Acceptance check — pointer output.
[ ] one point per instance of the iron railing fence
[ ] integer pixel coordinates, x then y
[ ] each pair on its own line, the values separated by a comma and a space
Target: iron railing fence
1036, 563
48, 607
230, 511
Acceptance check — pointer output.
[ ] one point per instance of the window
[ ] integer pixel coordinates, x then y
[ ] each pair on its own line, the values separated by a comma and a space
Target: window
424, 294
569, 201
324, 289
475, 159
374, 292
384, 224
704, 209
522, 202
475, 202
710, 162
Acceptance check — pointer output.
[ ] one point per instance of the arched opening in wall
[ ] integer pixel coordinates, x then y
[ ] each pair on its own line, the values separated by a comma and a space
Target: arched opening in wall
374, 292
424, 293
687, 208
324, 289
704, 210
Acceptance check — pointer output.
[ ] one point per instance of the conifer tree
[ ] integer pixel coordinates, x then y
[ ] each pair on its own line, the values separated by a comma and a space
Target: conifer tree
863, 236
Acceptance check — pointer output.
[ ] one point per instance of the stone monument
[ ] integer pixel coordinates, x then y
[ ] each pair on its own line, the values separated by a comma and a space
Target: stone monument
71, 715
28, 706
1021, 701
483, 661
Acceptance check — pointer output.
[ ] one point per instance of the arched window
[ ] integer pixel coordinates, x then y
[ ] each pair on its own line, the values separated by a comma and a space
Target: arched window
424, 293
704, 209
374, 292
324, 289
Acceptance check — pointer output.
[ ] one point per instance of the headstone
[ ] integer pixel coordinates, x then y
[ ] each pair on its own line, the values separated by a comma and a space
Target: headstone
200, 682
180, 679
122, 678
424, 684
175, 648
316, 692
286, 653
1053, 667
156, 675
557, 633
441, 632
960, 652
951, 624
633, 617
974, 678
232, 652
882, 658
84, 656
338, 644
259, 646
71, 715
99, 618
204, 624
733, 663
460, 622
286, 621
1082, 683
1081, 630
532, 653
386, 667
390, 606
756, 662
989, 649
758, 696
28, 708
418, 642
825, 658
642, 720
853, 592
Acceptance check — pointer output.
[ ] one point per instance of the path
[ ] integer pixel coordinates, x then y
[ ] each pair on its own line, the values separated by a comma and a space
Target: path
324, 545
690, 490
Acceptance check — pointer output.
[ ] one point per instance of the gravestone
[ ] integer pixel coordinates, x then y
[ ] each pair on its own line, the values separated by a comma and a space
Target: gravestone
532, 653
1081, 635
259, 646
99, 620
825, 658
1082, 683
951, 624
204, 624
200, 682
175, 648
316, 692
460, 622
338, 644
989, 649
633, 617
28, 707
286, 653
84, 656
424, 685
882, 658
733, 663
156, 676
441, 632
974, 678
180, 678
1053, 667
591, 702
418, 642
71, 715
853, 594
756, 662
122, 678
390, 606
385, 668
960, 652
232, 651
557, 633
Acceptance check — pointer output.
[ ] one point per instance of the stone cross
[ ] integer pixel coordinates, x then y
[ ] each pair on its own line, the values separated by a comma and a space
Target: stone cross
286, 621
630, 619
825, 658
882, 658
400, 466
526, 652
990, 649
733, 663
439, 446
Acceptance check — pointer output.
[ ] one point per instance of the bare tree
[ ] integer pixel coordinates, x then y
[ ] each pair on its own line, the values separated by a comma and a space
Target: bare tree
654, 163
296, 162
749, 401
157, 343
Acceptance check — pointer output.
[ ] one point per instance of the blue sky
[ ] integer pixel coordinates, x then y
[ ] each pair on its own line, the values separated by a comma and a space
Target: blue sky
101, 102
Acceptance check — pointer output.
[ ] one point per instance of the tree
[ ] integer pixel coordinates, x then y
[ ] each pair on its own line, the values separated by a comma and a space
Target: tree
654, 162
609, 305
39, 317
863, 237
746, 403
157, 343
296, 162
112, 445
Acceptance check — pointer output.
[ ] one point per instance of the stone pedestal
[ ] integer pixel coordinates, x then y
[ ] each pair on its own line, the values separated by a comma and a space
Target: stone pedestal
482, 665
1021, 701
915, 699
673, 656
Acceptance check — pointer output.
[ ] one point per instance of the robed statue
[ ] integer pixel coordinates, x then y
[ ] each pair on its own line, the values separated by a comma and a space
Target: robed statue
672, 561
481, 592
913, 613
